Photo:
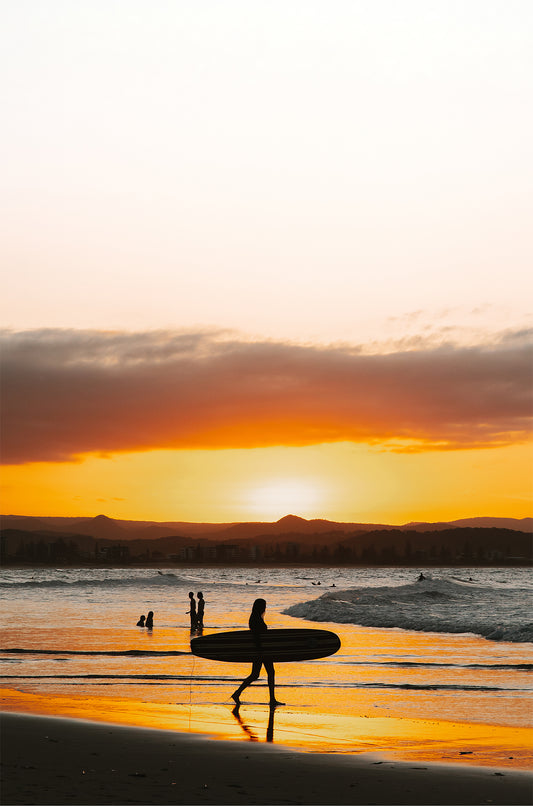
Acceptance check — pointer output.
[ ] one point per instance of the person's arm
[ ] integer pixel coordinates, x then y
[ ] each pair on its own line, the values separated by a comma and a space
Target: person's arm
257, 627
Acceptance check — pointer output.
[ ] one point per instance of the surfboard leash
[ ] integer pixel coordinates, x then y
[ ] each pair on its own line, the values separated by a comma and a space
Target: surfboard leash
190, 687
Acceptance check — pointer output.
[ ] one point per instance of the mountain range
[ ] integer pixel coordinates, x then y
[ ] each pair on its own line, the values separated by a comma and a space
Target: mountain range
103, 527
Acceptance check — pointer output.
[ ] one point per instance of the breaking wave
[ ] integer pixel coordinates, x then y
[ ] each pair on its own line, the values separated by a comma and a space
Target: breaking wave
430, 605
159, 580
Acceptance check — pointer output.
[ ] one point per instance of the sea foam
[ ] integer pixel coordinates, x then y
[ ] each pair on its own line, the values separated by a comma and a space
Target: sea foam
430, 605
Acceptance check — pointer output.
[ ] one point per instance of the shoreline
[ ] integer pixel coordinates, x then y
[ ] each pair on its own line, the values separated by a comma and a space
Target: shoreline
58, 760
370, 729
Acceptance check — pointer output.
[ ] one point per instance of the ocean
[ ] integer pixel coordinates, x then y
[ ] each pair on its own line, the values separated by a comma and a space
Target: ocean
453, 648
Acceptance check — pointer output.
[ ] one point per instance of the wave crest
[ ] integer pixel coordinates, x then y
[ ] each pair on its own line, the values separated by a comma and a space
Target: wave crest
158, 580
431, 605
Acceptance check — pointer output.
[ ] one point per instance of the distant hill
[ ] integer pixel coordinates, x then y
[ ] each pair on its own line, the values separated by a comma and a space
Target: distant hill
103, 527
290, 524
518, 524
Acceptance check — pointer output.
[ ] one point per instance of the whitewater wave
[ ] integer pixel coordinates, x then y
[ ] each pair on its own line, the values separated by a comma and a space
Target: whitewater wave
63, 581
430, 605
158, 580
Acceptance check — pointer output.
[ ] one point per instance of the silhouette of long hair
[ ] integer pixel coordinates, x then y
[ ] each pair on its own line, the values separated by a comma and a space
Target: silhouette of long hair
258, 607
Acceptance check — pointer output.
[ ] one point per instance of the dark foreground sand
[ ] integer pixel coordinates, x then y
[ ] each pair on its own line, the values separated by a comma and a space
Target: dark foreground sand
47, 760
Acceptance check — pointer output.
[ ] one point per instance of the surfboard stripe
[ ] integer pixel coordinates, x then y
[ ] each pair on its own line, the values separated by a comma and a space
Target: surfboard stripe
276, 645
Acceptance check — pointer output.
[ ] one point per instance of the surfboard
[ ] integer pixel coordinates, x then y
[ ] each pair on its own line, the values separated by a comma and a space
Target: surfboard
276, 645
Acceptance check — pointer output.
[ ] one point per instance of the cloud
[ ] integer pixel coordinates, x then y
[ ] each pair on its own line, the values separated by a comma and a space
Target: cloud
67, 393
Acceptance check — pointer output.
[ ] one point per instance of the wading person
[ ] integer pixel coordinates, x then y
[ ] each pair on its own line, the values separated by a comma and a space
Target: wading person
192, 611
200, 614
258, 627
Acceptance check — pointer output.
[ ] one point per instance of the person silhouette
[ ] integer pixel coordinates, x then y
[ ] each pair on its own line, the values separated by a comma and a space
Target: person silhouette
258, 627
140, 623
201, 608
150, 620
192, 611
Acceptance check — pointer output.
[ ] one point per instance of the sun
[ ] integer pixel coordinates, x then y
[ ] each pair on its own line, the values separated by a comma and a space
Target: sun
279, 497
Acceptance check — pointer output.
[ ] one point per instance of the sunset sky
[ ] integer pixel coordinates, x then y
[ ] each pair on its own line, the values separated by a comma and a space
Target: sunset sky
263, 258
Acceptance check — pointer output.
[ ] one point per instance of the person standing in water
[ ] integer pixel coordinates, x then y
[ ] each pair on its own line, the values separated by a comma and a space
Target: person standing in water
192, 611
149, 620
258, 627
201, 608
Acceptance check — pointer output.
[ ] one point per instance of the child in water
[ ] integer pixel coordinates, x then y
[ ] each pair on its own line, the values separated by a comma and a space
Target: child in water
140, 623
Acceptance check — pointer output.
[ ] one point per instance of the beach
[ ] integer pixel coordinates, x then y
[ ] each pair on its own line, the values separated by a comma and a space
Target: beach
98, 710
49, 760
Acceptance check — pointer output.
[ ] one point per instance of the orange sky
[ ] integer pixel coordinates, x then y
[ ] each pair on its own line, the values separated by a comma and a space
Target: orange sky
267, 258
342, 482
168, 426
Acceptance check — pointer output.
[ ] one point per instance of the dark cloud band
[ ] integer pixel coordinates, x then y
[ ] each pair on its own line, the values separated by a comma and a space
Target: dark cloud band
67, 393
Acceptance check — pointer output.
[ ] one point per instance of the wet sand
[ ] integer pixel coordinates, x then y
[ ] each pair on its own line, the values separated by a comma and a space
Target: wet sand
373, 727
50, 760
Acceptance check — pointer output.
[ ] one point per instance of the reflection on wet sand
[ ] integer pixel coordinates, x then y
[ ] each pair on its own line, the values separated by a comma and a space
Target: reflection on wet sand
249, 732
299, 726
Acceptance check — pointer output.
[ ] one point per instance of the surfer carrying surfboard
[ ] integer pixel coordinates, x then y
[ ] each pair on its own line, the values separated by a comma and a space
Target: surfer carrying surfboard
257, 626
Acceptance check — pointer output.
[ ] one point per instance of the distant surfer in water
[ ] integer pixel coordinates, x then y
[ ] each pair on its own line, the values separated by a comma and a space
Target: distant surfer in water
258, 627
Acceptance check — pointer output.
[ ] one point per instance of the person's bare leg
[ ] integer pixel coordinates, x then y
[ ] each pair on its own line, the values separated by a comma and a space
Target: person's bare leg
254, 674
269, 666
